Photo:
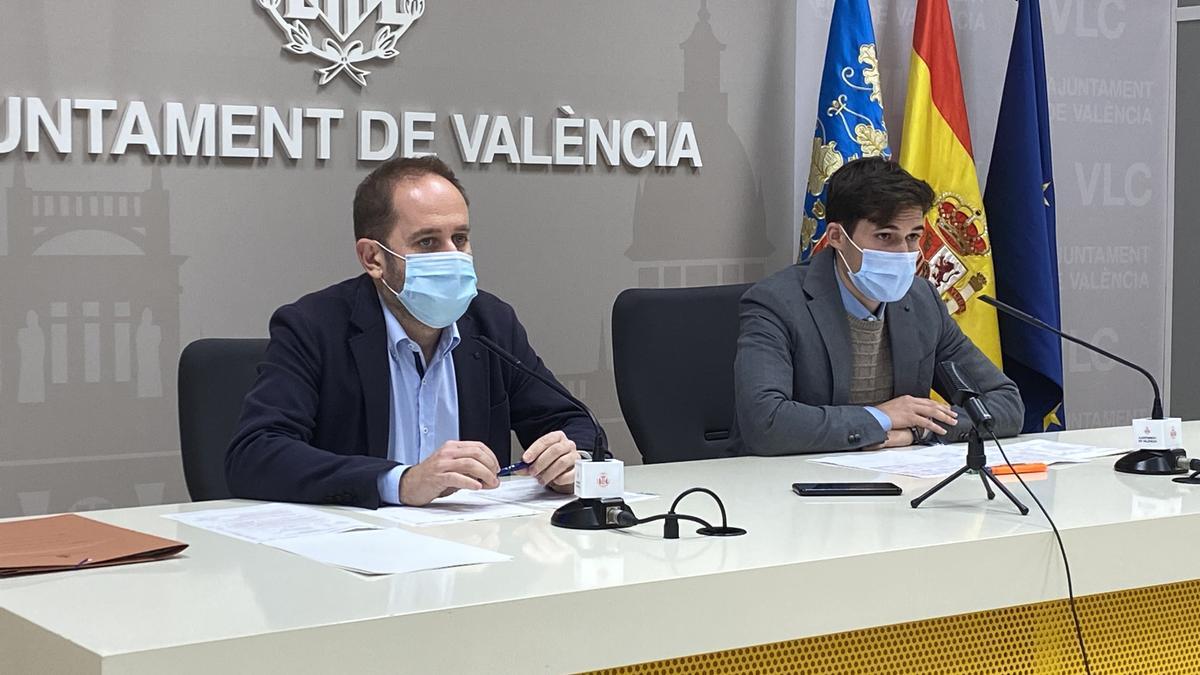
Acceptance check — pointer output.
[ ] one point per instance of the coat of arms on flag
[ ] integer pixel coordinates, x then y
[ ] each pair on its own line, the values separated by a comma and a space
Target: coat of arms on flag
849, 113
955, 232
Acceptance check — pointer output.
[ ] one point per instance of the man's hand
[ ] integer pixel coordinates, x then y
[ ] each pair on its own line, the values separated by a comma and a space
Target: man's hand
457, 465
910, 411
551, 461
896, 438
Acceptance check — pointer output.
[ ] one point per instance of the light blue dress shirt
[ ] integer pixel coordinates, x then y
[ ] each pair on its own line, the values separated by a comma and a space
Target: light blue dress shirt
424, 413
859, 311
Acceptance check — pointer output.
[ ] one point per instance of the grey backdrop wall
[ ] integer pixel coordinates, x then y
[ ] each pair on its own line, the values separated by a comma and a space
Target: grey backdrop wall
109, 266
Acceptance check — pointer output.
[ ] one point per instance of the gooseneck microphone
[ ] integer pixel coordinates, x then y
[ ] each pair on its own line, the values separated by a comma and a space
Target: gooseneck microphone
600, 483
1156, 411
1153, 462
600, 447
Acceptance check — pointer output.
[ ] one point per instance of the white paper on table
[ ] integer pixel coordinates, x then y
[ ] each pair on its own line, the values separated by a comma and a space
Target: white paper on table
515, 497
942, 460
268, 522
460, 507
908, 463
530, 493
526, 492
387, 551
1057, 452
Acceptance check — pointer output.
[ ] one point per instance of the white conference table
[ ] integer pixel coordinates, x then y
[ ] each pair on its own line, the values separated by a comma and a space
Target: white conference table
574, 600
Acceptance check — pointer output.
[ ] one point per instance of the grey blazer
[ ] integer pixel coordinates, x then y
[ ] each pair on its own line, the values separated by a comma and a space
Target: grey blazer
792, 371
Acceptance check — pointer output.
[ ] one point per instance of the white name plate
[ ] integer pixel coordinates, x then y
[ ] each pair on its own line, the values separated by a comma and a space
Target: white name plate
1164, 434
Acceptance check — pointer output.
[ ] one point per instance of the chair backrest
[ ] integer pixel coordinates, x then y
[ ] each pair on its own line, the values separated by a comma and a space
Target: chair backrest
673, 353
214, 376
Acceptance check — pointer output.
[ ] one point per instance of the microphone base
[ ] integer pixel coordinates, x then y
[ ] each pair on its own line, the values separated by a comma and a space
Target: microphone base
1151, 462
592, 514
976, 464
721, 531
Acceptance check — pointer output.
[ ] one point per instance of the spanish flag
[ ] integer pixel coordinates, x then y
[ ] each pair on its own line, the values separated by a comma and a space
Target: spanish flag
937, 148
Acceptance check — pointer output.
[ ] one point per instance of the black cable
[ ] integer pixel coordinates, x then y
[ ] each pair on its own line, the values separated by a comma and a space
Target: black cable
1062, 549
710, 493
671, 526
678, 516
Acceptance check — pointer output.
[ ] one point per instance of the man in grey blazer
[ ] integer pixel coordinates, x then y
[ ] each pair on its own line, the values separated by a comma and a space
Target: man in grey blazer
839, 353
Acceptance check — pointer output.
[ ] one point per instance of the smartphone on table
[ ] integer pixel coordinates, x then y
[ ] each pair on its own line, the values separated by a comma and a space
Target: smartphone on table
846, 489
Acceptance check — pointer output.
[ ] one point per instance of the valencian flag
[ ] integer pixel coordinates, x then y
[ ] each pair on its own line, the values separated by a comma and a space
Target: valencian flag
937, 148
1020, 201
849, 112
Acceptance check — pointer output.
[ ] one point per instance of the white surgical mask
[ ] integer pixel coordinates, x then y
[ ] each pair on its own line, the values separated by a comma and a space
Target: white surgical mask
884, 276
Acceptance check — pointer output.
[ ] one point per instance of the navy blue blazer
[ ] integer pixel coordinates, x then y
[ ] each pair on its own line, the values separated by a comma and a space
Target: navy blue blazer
314, 427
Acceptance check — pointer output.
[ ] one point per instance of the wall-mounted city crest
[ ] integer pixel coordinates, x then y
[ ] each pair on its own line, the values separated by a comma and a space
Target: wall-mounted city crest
340, 20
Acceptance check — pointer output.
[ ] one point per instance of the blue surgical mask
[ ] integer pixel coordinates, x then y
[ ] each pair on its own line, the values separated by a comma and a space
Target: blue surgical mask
884, 276
438, 287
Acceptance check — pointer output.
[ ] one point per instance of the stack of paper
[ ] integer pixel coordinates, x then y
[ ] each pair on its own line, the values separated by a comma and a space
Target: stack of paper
269, 522
460, 507
336, 540
942, 460
516, 497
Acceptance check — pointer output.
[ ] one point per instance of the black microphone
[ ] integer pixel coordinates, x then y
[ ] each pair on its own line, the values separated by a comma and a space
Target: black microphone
963, 393
1151, 462
1156, 411
593, 508
600, 448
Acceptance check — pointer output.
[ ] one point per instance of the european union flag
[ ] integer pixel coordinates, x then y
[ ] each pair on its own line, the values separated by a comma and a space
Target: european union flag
849, 112
1020, 205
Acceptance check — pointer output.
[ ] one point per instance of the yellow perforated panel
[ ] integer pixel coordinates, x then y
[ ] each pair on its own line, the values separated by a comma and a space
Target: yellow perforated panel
1146, 630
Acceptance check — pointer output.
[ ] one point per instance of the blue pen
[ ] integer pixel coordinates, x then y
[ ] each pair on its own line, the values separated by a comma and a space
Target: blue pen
512, 468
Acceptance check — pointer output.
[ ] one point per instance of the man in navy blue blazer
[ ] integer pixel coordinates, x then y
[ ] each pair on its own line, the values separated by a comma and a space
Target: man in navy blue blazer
374, 391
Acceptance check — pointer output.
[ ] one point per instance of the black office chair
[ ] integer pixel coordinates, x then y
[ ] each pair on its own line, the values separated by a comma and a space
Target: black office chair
214, 376
673, 353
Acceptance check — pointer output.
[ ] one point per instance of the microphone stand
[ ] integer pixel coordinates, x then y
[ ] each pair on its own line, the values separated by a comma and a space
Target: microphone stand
594, 513
977, 463
1152, 462
587, 512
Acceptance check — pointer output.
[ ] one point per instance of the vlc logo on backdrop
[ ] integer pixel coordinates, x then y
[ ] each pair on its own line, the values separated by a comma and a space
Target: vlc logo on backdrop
342, 18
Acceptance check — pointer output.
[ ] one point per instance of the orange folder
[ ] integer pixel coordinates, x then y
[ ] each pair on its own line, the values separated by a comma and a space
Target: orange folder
70, 542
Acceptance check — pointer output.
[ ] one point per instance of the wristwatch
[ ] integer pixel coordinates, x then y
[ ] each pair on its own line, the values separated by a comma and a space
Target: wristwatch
921, 435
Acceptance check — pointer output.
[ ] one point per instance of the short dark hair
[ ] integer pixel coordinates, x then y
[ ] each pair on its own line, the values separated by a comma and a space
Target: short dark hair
874, 189
373, 212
